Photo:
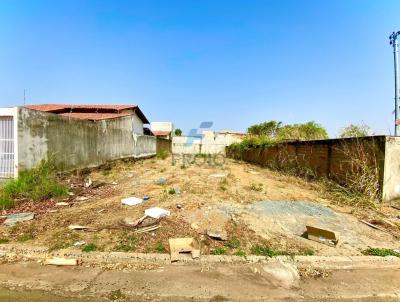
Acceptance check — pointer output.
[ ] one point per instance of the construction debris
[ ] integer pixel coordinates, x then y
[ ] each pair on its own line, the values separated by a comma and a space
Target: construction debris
81, 198
218, 234
88, 182
322, 236
77, 227
147, 229
161, 181
131, 201
13, 219
133, 223
61, 261
177, 246
62, 204
79, 243
157, 212
217, 175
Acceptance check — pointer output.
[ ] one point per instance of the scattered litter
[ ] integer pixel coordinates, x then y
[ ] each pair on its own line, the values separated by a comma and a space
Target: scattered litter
217, 175
61, 261
81, 198
322, 236
13, 219
77, 227
157, 212
374, 226
178, 246
114, 183
179, 206
254, 172
79, 243
101, 211
146, 198
52, 211
131, 222
161, 181
71, 193
195, 226
147, 229
88, 182
62, 204
130, 175
218, 234
131, 201
396, 207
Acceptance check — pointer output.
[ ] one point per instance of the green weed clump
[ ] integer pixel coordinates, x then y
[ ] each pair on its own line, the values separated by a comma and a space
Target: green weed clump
218, 251
380, 252
36, 184
162, 154
91, 247
266, 251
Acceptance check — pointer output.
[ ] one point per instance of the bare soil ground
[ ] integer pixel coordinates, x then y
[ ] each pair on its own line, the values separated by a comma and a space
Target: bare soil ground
253, 205
256, 282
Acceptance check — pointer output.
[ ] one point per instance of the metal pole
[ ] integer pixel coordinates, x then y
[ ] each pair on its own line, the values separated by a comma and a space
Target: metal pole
394, 43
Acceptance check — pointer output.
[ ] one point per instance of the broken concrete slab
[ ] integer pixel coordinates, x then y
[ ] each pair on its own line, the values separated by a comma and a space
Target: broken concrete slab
218, 234
131, 201
13, 219
179, 246
61, 261
322, 235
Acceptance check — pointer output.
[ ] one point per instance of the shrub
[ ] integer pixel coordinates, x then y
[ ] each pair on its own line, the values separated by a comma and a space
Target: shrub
25, 237
159, 248
218, 251
36, 184
91, 247
233, 243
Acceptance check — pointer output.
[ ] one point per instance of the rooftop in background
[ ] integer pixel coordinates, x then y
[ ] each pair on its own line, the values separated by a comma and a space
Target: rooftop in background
90, 112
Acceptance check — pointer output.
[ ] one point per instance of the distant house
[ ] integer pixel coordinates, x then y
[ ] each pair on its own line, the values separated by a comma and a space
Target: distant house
96, 113
75, 135
162, 129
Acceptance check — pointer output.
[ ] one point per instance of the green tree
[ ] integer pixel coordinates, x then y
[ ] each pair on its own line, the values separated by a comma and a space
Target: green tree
355, 131
306, 131
266, 128
178, 132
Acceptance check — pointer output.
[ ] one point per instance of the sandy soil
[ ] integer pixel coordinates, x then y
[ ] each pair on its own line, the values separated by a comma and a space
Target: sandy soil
206, 197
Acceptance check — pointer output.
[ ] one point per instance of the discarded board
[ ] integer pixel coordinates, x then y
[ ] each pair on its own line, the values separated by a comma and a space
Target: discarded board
61, 261
77, 227
178, 246
13, 219
131, 201
62, 204
322, 236
147, 229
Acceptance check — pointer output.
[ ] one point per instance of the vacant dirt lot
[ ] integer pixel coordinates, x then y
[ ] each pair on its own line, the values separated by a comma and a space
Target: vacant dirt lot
252, 206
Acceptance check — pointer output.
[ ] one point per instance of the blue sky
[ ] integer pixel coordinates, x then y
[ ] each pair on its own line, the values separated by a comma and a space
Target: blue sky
232, 62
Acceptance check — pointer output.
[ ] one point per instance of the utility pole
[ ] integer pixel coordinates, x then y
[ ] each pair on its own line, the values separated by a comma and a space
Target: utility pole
393, 41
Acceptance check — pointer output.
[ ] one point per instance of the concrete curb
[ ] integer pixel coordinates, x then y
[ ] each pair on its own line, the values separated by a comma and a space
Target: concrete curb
21, 252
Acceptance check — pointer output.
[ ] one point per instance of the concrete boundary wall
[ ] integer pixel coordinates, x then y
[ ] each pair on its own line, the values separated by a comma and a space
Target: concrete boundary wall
164, 144
336, 159
77, 143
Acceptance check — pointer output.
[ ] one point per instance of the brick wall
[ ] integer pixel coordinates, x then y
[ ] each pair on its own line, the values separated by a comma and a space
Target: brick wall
332, 158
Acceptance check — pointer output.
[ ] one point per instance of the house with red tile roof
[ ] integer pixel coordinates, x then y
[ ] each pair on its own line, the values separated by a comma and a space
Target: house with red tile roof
75, 135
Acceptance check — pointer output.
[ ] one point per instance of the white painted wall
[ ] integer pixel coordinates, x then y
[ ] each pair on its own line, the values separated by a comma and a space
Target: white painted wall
137, 125
210, 143
162, 126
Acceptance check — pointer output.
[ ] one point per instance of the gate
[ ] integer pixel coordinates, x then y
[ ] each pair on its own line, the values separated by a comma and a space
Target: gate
6, 147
